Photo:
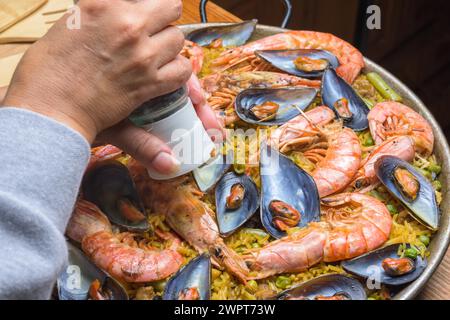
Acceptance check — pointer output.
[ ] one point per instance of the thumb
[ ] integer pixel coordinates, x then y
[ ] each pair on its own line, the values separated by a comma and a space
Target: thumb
149, 150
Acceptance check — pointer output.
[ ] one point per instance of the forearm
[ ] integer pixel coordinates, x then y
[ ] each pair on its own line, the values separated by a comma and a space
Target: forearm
42, 166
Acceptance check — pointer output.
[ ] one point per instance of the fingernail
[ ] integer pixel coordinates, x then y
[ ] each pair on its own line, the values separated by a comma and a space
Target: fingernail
165, 163
195, 82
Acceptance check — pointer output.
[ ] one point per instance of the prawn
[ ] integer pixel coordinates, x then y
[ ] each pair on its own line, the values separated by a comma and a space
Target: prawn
336, 152
195, 54
351, 60
221, 89
115, 253
389, 119
352, 225
401, 147
193, 221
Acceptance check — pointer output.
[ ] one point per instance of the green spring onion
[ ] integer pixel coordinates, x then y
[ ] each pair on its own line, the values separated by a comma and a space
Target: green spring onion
435, 168
392, 209
368, 103
437, 185
283, 282
425, 240
383, 88
368, 141
255, 232
252, 285
411, 253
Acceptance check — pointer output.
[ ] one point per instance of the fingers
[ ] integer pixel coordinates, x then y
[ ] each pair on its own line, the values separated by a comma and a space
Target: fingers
195, 91
171, 76
142, 146
170, 42
159, 13
204, 112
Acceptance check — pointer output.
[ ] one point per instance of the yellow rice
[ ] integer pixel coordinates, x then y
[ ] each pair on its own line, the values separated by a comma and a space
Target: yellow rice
404, 229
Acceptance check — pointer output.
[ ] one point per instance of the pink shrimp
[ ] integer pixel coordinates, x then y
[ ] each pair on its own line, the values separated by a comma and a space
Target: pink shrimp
113, 253
389, 119
339, 164
336, 152
221, 89
301, 130
402, 147
350, 59
193, 220
195, 54
352, 225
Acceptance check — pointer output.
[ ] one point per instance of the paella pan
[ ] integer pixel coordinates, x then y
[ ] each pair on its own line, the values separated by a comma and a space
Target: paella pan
356, 207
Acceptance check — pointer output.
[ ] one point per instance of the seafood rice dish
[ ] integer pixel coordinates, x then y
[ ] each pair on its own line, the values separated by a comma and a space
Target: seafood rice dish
334, 196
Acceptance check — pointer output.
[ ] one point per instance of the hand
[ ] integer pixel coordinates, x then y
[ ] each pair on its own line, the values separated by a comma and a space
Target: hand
92, 78
2, 94
151, 151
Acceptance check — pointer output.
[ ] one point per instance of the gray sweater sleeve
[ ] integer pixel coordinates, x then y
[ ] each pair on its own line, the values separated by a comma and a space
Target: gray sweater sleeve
42, 163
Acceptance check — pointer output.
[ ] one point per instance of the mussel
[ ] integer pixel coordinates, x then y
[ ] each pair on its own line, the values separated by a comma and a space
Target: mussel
237, 199
110, 186
327, 287
305, 63
82, 280
287, 191
409, 186
210, 173
273, 106
339, 96
372, 266
228, 35
192, 282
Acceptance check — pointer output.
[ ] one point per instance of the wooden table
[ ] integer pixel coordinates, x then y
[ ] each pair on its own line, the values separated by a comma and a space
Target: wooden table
190, 15
439, 285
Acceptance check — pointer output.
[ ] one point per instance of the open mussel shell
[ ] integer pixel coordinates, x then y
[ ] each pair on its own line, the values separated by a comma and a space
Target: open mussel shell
334, 89
326, 286
289, 100
231, 34
196, 275
76, 279
230, 219
369, 266
283, 180
424, 207
284, 60
108, 186
210, 173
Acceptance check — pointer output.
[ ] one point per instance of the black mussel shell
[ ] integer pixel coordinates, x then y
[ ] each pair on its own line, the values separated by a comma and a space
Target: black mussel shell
326, 286
231, 219
210, 173
334, 88
284, 60
75, 281
195, 275
230, 34
424, 207
106, 184
369, 266
290, 100
283, 180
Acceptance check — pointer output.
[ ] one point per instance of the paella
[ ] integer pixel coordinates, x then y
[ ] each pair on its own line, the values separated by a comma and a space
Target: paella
325, 188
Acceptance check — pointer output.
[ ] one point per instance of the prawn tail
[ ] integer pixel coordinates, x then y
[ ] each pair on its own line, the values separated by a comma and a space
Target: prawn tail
86, 219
